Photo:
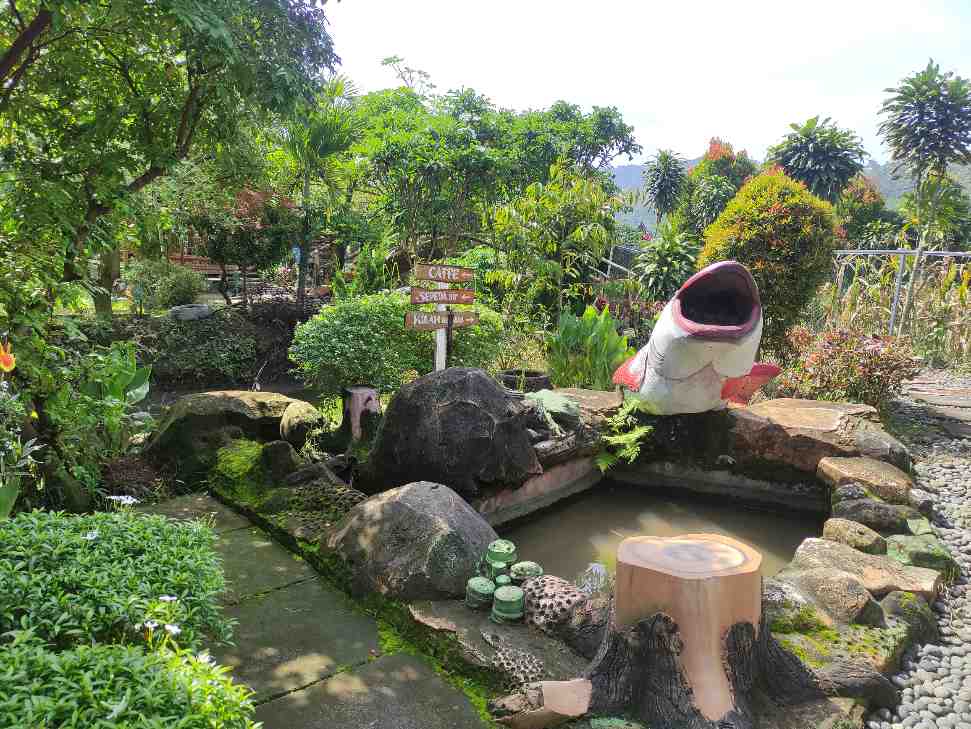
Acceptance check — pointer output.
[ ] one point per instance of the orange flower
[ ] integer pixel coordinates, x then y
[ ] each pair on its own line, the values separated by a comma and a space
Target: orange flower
7, 360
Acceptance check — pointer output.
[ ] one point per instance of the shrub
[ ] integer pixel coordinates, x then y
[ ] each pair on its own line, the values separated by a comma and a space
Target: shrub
364, 341
846, 366
665, 262
94, 578
162, 284
784, 235
585, 351
117, 687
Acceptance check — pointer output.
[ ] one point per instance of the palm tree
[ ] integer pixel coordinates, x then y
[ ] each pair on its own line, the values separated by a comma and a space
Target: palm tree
664, 178
821, 156
314, 136
927, 126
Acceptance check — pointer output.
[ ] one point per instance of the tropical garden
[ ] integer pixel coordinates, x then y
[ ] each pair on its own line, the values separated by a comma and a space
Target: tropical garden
136, 136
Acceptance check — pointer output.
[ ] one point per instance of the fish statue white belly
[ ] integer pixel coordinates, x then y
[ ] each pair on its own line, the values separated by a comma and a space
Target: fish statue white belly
702, 350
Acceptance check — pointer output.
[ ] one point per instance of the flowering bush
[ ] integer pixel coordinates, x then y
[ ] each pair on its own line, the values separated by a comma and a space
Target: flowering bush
117, 687
785, 236
109, 577
846, 366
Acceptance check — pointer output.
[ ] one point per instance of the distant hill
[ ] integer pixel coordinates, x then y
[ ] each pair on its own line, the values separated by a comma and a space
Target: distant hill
892, 188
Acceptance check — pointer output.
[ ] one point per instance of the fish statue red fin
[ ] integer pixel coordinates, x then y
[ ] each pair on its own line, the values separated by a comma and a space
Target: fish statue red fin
628, 375
740, 390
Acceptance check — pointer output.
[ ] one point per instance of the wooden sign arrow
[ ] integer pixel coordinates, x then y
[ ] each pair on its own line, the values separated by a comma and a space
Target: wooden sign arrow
428, 320
441, 296
447, 274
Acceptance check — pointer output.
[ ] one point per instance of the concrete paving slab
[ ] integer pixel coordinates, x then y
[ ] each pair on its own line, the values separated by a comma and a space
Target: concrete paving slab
393, 692
254, 563
199, 506
289, 638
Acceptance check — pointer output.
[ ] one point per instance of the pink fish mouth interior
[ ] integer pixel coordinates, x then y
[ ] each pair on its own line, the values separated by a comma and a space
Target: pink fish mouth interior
719, 302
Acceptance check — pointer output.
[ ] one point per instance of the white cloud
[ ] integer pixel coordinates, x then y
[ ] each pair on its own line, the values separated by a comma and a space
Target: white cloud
680, 72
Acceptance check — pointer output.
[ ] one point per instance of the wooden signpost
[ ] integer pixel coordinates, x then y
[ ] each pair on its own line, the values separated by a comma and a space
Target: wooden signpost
443, 320
441, 296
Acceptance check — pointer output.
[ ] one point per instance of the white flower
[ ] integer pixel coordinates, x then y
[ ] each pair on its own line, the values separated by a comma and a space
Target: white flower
167, 598
204, 657
91, 536
151, 624
124, 500
172, 630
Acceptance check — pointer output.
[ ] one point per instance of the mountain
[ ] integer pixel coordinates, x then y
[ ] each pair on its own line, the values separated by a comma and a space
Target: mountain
629, 177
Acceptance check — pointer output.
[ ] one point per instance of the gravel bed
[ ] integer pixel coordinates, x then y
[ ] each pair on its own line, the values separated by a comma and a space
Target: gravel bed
935, 679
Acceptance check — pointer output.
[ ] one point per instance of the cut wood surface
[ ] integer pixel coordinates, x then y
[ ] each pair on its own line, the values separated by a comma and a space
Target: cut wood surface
707, 583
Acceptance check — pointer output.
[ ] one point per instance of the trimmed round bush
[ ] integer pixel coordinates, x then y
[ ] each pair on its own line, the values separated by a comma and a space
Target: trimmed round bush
102, 577
363, 341
117, 687
785, 236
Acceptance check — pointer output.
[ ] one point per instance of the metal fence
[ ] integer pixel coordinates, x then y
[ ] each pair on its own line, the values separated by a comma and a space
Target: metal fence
844, 260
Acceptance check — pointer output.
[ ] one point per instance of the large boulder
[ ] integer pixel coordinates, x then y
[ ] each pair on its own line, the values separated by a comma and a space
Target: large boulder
800, 433
298, 420
925, 550
457, 427
197, 425
421, 541
879, 574
880, 478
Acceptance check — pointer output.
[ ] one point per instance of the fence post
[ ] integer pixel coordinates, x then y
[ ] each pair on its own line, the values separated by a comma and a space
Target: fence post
896, 292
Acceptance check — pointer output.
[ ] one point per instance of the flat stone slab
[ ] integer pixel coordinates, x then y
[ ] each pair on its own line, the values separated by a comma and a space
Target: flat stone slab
830, 713
290, 638
199, 507
393, 692
595, 405
883, 479
452, 616
254, 563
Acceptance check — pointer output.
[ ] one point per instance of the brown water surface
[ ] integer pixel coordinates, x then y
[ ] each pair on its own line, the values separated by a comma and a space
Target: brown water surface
568, 536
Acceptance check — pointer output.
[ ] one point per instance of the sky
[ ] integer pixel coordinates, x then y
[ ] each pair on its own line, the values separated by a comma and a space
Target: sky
680, 71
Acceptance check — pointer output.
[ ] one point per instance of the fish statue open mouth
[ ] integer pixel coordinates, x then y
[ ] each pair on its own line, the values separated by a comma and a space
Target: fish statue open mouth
701, 353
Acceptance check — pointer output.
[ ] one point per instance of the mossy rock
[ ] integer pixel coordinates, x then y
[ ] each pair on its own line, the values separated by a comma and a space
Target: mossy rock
925, 550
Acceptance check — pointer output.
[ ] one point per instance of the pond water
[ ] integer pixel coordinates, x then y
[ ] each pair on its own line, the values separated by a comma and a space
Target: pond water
570, 535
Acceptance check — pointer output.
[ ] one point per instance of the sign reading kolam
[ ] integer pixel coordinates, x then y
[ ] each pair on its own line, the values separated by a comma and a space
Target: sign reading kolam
445, 274
428, 320
441, 296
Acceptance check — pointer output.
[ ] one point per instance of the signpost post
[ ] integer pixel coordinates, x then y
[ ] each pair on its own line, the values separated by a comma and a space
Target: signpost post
443, 320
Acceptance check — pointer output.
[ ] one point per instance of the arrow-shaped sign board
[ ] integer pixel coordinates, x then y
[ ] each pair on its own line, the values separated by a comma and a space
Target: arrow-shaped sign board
427, 320
446, 274
441, 296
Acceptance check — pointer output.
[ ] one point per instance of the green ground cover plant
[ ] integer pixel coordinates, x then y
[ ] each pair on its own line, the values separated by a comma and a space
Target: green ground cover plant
584, 351
109, 577
117, 687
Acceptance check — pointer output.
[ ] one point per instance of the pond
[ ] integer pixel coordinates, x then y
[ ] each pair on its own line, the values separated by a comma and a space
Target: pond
570, 535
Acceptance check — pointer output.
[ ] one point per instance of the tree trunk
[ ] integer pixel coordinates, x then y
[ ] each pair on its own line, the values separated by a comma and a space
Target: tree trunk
224, 284
22, 42
109, 269
304, 247
685, 645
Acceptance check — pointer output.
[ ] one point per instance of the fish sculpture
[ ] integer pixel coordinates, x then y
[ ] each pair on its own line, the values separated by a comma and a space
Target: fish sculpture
701, 353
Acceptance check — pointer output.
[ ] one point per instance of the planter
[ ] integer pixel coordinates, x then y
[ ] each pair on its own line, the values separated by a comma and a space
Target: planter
525, 380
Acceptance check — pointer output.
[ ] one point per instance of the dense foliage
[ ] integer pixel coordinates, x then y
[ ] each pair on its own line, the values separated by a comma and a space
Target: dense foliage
820, 155
846, 366
117, 687
665, 262
784, 235
364, 340
99, 578
664, 179
160, 284
584, 351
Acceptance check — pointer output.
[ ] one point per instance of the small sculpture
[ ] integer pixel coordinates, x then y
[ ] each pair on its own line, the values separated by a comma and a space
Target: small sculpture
702, 350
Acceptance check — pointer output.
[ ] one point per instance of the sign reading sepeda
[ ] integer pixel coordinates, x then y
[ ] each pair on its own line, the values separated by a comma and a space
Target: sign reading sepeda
446, 274
428, 320
441, 296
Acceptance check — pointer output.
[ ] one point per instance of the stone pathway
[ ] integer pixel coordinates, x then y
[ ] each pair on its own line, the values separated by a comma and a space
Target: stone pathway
313, 660
935, 681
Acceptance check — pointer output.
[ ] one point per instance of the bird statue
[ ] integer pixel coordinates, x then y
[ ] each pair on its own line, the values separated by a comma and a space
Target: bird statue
701, 353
